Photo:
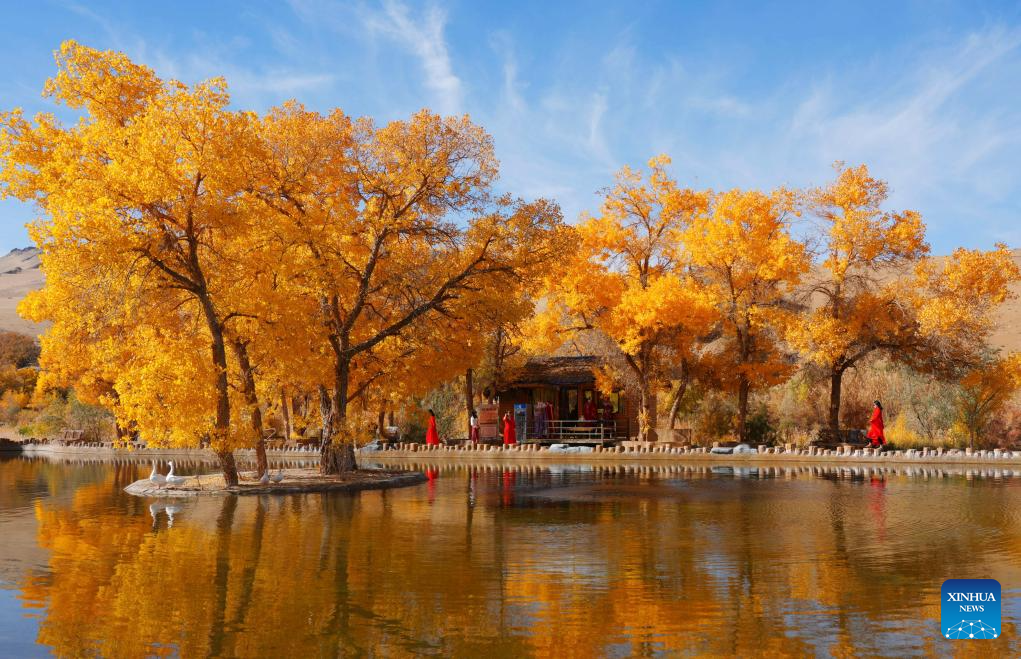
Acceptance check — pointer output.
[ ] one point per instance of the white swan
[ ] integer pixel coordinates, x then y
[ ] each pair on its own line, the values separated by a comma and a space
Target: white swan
156, 478
265, 478
172, 479
277, 477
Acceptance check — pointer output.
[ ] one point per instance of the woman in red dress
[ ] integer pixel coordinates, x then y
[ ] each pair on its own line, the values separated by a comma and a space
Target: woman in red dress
509, 431
876, 434
432, 437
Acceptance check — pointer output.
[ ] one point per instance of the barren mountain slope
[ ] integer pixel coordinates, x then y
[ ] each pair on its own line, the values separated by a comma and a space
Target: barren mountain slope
19, 274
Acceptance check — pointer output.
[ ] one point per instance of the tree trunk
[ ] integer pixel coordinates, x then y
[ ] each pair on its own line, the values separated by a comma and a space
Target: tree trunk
326, 416
675, 404
647, 414
834, 421
252, 401
380, 422
743, 389
285, 407
337, 455
469, 398
228, 467
222, 427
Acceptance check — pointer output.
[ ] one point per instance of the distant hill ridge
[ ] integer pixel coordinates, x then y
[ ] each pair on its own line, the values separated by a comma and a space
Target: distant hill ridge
20, 273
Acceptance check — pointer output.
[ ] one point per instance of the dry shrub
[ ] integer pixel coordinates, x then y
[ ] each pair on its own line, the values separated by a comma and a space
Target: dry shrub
1004, 430
714, 418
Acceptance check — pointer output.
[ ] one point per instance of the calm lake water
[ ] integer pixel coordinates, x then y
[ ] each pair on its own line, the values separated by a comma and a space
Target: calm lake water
486, 562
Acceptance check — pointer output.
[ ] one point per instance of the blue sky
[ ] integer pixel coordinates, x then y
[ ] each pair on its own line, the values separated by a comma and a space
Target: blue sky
927, 93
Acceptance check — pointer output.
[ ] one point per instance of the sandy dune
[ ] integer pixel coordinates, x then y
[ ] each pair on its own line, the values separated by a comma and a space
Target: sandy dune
19, 274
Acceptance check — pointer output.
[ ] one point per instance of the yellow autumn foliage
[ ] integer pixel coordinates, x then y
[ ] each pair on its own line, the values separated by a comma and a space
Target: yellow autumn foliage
629, 279
747, 263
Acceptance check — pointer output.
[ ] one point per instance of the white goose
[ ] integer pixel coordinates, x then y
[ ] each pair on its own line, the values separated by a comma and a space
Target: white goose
277, 477
156, 478
265, 478
172, 479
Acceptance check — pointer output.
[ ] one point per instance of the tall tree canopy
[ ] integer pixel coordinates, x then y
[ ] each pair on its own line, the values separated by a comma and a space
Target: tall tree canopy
629, 278
748, 265
403, 228
877, 292
142, 189
199, 258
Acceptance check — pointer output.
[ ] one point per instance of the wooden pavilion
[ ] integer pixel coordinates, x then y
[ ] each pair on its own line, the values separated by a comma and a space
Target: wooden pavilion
554, 399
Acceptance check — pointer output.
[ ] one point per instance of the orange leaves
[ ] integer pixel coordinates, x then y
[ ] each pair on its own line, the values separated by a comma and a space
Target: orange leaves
744, 242
109, 85
958, 298
985, 390
670, 312
747, 264
628, 277
859, 234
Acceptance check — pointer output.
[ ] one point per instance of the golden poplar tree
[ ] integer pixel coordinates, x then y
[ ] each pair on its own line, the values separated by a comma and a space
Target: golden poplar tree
384, 228
877, 292
142, 188
748, 264
985, 390
629, 279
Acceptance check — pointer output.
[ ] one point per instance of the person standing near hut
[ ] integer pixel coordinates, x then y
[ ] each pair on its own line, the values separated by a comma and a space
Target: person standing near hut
590, 411
876, 434
509, 431
432, 436
473, 423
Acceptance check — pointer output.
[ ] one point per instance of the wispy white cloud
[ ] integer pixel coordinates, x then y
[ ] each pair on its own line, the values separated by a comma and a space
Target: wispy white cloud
423, 37
932, 121
936, 114
503, 46
940, 136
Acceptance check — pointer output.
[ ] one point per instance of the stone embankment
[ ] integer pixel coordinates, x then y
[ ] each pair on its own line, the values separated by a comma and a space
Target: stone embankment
532, 452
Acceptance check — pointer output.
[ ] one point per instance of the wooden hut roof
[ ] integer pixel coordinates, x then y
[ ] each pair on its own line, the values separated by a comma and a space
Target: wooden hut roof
556, 371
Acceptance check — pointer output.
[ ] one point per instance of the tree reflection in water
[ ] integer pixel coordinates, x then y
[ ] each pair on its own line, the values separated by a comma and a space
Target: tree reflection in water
533, 561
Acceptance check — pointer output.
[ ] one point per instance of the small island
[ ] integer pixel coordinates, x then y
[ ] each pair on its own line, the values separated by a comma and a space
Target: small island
295, 481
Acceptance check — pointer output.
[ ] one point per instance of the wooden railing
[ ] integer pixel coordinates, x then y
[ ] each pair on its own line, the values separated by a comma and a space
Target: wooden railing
574, 431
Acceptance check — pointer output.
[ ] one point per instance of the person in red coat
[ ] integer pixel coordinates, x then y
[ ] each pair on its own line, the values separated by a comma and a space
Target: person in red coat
509, 431
432, 437
876, 435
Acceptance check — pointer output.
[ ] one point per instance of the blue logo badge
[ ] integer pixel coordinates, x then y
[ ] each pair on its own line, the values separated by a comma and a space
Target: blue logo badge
970, 608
